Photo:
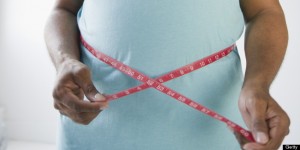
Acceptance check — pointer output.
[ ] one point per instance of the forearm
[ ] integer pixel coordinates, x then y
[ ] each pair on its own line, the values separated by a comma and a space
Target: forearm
265, 45
61, 36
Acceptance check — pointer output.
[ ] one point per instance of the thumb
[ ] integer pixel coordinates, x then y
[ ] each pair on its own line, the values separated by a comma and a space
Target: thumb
260, 128
83, 79
91, 92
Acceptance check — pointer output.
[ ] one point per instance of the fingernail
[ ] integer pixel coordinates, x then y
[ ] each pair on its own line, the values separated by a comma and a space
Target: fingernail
99, 97
261, 138
103, 107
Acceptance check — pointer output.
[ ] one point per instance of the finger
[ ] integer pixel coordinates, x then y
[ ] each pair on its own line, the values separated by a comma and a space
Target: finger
260, 130
78, 117
278, 122
279, 126
244, 112
60, 108
83, 79
91, 92
255, 146
274, 143
278, 118
73, 102
86, 106
240, 138
85, 117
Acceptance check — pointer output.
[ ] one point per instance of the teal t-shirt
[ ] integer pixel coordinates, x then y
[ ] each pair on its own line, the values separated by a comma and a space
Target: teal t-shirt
155, 37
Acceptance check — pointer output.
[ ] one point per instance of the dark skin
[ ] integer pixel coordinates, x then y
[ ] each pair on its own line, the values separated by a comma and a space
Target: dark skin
73, 77
265, 45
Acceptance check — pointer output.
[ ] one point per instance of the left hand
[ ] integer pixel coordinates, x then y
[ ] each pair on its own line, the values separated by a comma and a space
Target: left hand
267, 121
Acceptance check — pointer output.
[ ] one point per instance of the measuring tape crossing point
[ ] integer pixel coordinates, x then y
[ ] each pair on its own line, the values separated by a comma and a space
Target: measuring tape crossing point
156, 83
176, 73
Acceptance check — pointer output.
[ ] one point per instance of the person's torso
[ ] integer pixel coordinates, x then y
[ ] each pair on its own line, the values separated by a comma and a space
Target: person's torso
155, 37
160, 31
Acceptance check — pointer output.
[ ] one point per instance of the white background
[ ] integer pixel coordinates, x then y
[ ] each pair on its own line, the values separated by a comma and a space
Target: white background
27, 75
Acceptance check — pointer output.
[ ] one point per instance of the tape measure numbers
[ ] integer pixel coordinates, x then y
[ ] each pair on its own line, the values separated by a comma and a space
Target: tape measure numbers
157, 83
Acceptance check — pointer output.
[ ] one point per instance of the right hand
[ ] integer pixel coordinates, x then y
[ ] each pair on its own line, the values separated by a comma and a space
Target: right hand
73, 82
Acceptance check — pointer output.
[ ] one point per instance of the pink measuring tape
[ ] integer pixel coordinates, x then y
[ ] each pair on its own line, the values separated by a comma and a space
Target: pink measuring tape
157, 83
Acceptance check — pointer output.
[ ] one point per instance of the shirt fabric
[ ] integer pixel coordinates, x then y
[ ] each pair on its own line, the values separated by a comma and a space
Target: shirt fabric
155, 37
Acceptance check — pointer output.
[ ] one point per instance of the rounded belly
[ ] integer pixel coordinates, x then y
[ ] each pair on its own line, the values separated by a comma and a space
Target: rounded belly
164, 33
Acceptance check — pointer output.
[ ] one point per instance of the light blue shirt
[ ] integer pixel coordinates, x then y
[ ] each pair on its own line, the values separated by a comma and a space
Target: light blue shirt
155, 37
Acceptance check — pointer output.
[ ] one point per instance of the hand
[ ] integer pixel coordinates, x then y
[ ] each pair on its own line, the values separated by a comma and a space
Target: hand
267, 121
73, 82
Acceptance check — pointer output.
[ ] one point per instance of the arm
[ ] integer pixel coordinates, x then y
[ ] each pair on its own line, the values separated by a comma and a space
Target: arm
73, 77
61, 32
265, 41
265, 45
